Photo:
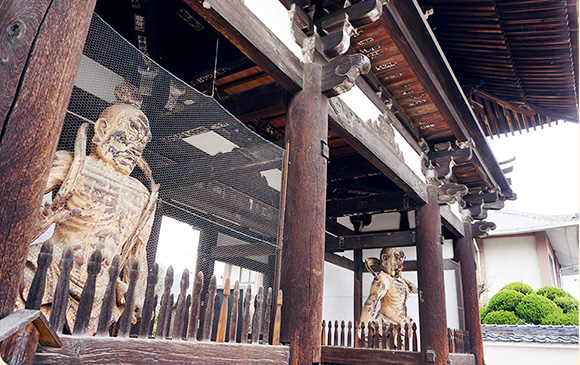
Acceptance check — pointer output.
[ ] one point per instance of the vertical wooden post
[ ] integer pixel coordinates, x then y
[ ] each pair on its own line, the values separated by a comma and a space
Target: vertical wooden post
464, 253
432, 311
41, 43
205, 263
303, 249
358, 274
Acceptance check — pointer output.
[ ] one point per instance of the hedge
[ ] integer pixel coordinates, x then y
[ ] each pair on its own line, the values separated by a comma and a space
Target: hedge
501, 317
533, 308
505, 299
520, 287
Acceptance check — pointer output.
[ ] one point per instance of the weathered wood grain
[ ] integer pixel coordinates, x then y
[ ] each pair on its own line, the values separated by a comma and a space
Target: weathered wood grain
181, 303
209, 308
277, 320
234, 314
246, 315
345, 355
108, 299
195, 305
163, 306
88, 294
60, 299
267, 315
432, 312
20, 347
257, 319
40, 49
148, 307
102, 350
127, 315
37, 286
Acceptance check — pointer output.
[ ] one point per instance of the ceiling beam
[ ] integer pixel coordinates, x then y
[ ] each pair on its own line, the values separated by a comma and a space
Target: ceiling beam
367, 241
372, 204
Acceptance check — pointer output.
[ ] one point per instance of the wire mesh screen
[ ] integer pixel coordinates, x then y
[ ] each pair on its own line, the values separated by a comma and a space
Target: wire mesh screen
219, 183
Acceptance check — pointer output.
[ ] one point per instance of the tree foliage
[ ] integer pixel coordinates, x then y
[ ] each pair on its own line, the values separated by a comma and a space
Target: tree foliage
501, 317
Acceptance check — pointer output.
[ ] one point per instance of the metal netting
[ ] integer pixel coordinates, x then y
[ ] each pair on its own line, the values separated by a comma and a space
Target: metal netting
220, 183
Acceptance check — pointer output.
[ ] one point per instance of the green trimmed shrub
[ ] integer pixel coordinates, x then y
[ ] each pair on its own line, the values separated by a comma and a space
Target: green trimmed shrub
561, 319
551, 292
505, 299
501, 317
483, 311
533, 308
525, 289
568, 304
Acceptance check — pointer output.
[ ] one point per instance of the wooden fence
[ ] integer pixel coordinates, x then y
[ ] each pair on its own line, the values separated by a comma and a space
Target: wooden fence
387, 336
458, 341
177, 320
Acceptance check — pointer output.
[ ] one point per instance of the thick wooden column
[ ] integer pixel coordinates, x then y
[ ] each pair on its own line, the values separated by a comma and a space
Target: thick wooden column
465, 255
303, 250
41, 44
432, 312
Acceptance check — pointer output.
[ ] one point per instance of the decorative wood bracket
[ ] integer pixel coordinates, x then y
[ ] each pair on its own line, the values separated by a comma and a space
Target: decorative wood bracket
481, 229
449, 193
340, 74
361, 13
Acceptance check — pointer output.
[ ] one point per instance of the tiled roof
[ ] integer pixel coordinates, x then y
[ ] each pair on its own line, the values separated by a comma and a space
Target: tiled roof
530, 334
509, 222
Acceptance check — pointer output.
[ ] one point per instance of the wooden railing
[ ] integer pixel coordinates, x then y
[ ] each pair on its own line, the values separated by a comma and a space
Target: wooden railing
458, 341
373, 336
177, 320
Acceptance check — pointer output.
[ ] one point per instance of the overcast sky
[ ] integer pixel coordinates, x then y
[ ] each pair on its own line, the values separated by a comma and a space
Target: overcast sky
545, 176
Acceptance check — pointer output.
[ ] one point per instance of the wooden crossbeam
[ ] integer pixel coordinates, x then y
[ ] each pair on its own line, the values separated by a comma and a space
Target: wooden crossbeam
370, 240
380, 203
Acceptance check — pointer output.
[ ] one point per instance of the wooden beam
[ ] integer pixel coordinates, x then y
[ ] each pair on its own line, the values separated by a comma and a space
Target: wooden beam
255, 249
363, 356
339, 261
379, 203
451, 221
110, 350
336, 228
243, 28
371, 240
355, 132
41, 50
259, 102
413, 36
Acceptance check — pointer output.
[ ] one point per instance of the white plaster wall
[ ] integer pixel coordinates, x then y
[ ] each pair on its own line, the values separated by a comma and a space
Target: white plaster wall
509, 259
512, 353
338, 288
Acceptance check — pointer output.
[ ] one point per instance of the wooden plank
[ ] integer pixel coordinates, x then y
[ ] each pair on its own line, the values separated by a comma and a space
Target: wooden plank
38, 284
209, 308
451, 222
277, 320
164, 304
246, 315
101, 350
373, 204
345, 355
223, 318
237, 23
41, 51
181, 305
372, 240
148, 307
109, 298
339, 260
257, 318
415, 39
88, 294
195, 306
124, 323
353, 130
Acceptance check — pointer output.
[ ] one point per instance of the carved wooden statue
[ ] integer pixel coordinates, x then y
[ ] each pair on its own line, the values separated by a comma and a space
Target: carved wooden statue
99, 205
388, 288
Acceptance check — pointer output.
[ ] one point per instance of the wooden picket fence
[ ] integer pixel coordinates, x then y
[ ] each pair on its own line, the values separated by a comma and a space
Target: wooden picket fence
177, 320
371, 336
458, 341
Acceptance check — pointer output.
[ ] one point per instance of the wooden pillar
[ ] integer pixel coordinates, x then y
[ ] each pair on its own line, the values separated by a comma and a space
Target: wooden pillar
153, 241
432, 312
303, 249
464, 253
358, 274
41, 43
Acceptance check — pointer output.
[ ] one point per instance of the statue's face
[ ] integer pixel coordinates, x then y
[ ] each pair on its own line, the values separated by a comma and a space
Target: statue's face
121, 134
393, 261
